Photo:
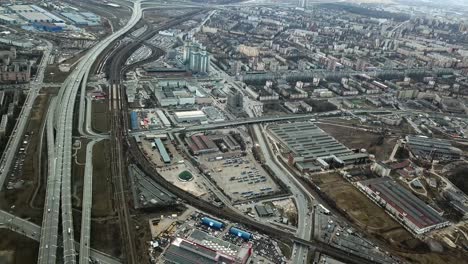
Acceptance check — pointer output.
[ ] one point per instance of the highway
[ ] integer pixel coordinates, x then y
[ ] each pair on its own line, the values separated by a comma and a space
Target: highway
50, 222
87, 203
31, 230
18, 131
64, 127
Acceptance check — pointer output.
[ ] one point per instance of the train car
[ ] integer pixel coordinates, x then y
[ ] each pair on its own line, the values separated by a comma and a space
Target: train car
215, 224
240, 233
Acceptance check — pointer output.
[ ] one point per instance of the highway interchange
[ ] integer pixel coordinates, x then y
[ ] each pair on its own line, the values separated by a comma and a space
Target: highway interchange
59, 147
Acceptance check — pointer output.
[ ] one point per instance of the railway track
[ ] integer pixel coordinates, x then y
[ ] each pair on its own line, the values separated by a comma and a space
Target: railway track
118, 177
123, 141
115, 70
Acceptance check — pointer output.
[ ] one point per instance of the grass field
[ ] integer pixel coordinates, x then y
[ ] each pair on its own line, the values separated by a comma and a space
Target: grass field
17, 249
102, 189
99, 115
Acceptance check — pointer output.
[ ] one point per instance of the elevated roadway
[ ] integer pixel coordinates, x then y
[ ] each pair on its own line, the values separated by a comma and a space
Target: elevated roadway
64, 126
31, 230
87, 202
49, 233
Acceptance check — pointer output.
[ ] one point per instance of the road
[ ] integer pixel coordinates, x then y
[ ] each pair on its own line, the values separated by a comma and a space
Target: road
87, 203
303, 203
31, 230
64, 126
18, 131
50, 222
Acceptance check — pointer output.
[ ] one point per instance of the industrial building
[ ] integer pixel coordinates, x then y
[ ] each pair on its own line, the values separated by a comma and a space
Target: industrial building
402, 205
201, 247
201, 144
432, 149
190, 116
264, 210
47, 27
172, 93
162, 150
311, 149
32, 14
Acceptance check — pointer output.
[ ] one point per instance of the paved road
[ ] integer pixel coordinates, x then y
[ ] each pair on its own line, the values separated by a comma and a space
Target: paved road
31, 230
64, 125
48, 242
16, 136
87, 204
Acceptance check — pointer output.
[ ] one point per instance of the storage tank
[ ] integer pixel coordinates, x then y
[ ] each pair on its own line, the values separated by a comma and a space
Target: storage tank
240, 233
212, 223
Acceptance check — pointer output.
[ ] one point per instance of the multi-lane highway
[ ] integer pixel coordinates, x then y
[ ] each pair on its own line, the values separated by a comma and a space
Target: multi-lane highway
31, 230
64, 126
87, 204
50, 222
16, 136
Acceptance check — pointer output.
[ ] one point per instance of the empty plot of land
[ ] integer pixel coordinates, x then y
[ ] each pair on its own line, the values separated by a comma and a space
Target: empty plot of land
99, 118
360, 209
375, 144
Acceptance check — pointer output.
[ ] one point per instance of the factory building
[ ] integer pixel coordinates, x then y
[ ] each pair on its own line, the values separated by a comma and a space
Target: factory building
402, 205
311, 149
173, 92
162, 150
190, 116
201, 247
432, 149
47, 27
201, 144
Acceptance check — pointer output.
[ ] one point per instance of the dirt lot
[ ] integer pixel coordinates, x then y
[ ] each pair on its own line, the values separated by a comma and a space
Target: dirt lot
99, 122
17, 249
374, 221
361, 210
375, 144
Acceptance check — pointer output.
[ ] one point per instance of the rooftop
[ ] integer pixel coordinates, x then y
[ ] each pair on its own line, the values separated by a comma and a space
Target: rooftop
407, 204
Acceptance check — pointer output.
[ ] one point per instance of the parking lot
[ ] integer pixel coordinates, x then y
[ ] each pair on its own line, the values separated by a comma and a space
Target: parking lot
241, 178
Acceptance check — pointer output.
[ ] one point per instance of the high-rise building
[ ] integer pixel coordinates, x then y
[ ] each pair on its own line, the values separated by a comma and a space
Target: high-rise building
302, 3
235, 101
196, 57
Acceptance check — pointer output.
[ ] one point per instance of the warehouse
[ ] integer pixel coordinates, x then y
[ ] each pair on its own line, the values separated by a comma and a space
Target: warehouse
77, 19
201, 247
402, 205
264, 210
190, 116
47, 27
162, 150
432, 149
201, 144
311, 149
